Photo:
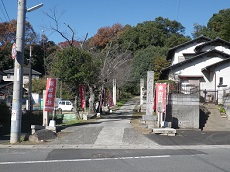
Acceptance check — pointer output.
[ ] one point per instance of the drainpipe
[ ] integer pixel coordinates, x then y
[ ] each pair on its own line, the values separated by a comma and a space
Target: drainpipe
216, 93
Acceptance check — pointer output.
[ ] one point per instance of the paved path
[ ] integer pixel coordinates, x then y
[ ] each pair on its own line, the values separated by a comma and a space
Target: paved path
113, 131
214, 120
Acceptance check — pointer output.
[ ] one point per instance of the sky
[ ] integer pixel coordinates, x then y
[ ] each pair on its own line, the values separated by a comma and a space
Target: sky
87, 16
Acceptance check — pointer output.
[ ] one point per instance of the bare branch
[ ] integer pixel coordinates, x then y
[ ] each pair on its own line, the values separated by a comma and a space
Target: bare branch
55, 18
72, 39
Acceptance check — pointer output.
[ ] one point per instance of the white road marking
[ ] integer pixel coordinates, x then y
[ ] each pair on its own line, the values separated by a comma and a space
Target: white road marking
82, 160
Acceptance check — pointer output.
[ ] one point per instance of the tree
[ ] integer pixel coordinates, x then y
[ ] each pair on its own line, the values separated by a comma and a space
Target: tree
155, 33
40, 52
38, 85
217, 26
74, 66
105, 35
8, 37
150, 59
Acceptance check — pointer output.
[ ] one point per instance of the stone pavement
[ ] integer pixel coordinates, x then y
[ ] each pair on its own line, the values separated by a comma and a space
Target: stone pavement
115, 131
112, 131
214, 120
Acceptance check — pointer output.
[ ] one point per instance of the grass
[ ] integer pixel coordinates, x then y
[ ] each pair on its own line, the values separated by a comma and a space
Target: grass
135, 121
72, 122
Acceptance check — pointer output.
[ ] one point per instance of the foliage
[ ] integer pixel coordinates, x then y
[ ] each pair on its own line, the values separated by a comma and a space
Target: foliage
155, 33
6, 61
150, 59
105, 35
221, 108
73, 66
8, 37
38, 85
5, 118
217, 26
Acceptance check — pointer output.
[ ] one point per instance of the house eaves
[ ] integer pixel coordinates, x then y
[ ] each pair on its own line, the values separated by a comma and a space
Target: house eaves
25, 71
214, 51
215, 42
198, 40
2, 73
207, 68
5, 83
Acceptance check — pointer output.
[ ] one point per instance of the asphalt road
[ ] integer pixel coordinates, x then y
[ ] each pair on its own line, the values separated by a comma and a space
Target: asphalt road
92, 160
193, 137
112, 145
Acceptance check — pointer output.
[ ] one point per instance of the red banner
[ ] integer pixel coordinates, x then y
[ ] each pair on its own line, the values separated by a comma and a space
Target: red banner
104, 97
50, 94
111, 99
160, 97
82, 95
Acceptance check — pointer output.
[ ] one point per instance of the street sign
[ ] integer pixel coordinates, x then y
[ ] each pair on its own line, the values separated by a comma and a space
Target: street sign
14, 51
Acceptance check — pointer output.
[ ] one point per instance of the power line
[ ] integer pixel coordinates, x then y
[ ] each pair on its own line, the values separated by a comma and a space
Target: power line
1, 19
3, 14
5, 10
178, 10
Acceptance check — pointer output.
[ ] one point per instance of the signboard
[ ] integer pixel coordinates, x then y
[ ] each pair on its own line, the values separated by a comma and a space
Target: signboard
2, 96
82, 95
50, 94
111, 99
14, 51
104, 97
161, 97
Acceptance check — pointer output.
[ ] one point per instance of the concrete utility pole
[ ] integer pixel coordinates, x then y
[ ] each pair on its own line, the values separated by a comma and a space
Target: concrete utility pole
30, 104
18, 72
114, 92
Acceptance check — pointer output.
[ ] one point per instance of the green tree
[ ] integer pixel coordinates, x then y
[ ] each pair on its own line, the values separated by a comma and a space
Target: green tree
151, 58
73, 66
38, 85
217, 26
155, 33
40, 52
8, 37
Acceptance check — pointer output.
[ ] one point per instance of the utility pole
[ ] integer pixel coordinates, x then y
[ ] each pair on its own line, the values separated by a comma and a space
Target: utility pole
16, 114
30, 104
18, 74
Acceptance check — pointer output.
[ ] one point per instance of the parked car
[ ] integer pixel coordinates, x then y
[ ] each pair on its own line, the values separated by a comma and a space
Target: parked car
65, 105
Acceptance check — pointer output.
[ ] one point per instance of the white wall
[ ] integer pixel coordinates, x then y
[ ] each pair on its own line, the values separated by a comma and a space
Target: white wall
194, 69
219, 48
184, 50
223, 71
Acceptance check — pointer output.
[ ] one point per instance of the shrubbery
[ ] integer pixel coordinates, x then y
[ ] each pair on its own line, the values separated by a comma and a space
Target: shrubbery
5, 118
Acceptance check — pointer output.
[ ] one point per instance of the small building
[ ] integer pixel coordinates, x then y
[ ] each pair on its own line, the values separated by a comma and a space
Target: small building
10, 75
200, 68
200, 63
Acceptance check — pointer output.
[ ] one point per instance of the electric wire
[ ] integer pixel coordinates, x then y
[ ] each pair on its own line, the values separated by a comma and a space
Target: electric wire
1, 19
3, 14
178, 10
5, 11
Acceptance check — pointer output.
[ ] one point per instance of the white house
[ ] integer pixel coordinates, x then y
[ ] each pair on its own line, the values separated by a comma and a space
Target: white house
201, 62
10, 75
186, 50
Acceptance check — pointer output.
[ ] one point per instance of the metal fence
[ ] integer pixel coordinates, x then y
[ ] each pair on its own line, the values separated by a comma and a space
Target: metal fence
183, 89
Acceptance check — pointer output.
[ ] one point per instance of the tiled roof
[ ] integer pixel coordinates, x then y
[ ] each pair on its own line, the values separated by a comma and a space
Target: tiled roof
198, 39
25, 71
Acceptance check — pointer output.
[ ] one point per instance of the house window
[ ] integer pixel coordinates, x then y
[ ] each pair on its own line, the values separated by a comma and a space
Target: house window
221, 81
180, 59
8, 76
